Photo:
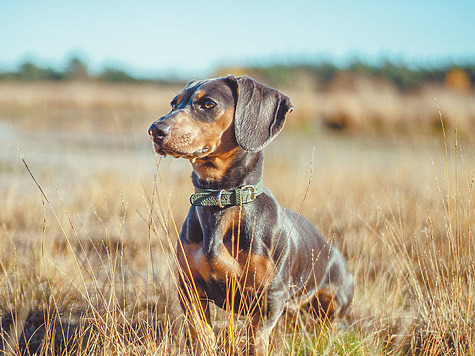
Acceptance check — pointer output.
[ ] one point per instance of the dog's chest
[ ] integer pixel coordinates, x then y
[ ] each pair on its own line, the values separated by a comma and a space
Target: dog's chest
220, 254
249, 270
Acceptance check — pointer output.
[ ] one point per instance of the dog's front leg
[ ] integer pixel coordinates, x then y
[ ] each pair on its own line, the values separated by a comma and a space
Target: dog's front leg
263, 319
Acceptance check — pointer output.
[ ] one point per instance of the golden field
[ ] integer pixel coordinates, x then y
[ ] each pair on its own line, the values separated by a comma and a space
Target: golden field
89, 219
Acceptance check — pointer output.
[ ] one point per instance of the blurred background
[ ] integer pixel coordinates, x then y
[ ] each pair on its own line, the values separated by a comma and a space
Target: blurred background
379, 153
348, 66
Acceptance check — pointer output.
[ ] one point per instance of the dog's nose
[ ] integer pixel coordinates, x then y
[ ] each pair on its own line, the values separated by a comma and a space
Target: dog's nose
159, 130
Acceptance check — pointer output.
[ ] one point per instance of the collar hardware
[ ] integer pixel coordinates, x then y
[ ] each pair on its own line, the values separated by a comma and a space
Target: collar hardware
226, 197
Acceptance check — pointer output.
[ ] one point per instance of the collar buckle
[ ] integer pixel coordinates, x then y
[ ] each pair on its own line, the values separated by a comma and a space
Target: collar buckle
252, 191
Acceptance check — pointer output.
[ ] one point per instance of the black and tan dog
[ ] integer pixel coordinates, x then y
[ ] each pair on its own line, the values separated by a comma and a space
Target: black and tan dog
235, 229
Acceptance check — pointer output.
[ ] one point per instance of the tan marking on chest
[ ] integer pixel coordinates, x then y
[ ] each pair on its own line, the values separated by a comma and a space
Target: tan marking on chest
258, 270
224, 266
193, 261
251, 271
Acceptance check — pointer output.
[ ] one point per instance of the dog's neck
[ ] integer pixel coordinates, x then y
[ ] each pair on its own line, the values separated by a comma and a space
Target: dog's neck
235, 169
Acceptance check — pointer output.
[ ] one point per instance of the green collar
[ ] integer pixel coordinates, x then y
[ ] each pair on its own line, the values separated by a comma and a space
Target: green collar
225, 197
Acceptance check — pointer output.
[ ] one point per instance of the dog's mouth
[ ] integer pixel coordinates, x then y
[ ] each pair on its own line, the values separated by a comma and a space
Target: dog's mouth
191, 155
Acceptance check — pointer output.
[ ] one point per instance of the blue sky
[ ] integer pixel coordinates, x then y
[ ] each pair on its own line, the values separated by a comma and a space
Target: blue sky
193, 37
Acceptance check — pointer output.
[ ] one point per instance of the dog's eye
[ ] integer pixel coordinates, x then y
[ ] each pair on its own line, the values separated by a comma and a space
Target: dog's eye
208, 104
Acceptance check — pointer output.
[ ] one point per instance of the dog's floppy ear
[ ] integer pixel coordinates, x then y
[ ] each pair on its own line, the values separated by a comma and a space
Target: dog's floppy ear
259, 115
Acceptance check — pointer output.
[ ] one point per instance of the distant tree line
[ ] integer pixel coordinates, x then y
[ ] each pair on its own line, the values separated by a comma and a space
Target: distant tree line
403, 76
76, 69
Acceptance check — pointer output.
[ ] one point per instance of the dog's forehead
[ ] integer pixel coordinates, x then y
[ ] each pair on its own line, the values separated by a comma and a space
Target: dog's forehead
214, 88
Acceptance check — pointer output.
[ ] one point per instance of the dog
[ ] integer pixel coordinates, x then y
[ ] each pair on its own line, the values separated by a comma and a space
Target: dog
235, 229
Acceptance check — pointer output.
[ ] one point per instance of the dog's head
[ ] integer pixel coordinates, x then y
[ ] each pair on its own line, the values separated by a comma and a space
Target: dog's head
211, 117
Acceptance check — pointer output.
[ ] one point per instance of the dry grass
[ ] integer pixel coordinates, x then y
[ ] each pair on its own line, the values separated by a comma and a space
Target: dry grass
89, 267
